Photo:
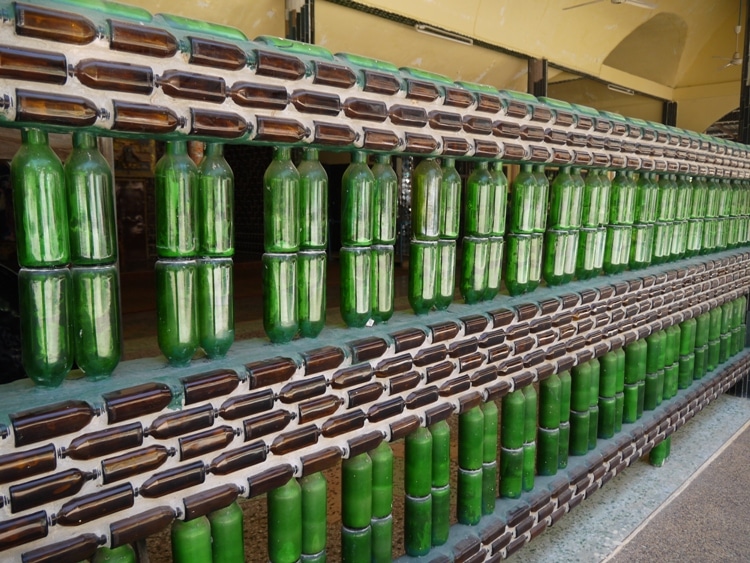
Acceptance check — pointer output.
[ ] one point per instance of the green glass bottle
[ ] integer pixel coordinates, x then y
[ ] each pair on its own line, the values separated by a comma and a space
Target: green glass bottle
576, 202
617, 250
96, 320
555, 251
356, 492
356, 276
313, 202
191, 541
642, 193
700, 194
561, 198
494, 268
91, 208
542, 193
356, 202
586, 253
523, 212
382, 480
47, 349
121, 554
176, 184
591, 199
280, 313
281, 204
604, 198
479, 204
518, 263
418, 525
642, 246
215, 298
450, 200
176, 310
314, 514
216, 205
285, 523
41, 215
227, 540
446, 282
499, 200
311, 292
694, 237
684, 198
427, 181
384, 201
622, 199
474, 270
382, 283
513, 420
536, 257
423, 275
471, 439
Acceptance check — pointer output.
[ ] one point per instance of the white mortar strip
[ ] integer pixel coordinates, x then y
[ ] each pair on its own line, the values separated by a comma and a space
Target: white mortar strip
678, 491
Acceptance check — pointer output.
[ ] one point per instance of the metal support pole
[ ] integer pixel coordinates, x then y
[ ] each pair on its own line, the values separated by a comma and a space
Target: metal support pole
537, 77
743, 130
669, 113
300, 20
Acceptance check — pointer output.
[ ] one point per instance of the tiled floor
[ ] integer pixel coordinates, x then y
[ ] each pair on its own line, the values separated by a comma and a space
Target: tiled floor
597, 528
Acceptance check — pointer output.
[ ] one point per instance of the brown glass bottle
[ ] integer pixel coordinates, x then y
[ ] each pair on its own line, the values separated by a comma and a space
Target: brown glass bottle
116, 76
48, 489
47, 422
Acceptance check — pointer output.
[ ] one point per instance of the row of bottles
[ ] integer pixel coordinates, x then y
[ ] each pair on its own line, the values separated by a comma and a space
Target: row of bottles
571, 228
597, 397
435, 215
499, 451
295, 236
195, 243
67, 250
484, 228
368, 233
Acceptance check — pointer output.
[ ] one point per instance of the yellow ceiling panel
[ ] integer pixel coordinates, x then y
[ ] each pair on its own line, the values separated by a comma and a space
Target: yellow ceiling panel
341, 29
254, 18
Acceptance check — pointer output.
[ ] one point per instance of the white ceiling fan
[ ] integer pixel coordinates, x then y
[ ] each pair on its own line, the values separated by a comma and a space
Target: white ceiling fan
735, 59
638, 3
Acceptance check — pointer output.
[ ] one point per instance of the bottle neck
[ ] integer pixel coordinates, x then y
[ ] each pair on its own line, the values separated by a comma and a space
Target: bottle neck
449, 162
310, 154
385, 159
282, 153
482, 165
34, 137
527, 168
214, 149
359, 157
176, 147
82, 140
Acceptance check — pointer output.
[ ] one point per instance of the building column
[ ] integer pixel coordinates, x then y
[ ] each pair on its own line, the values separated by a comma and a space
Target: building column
537, 77
669, 113
300, 20
743, 131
